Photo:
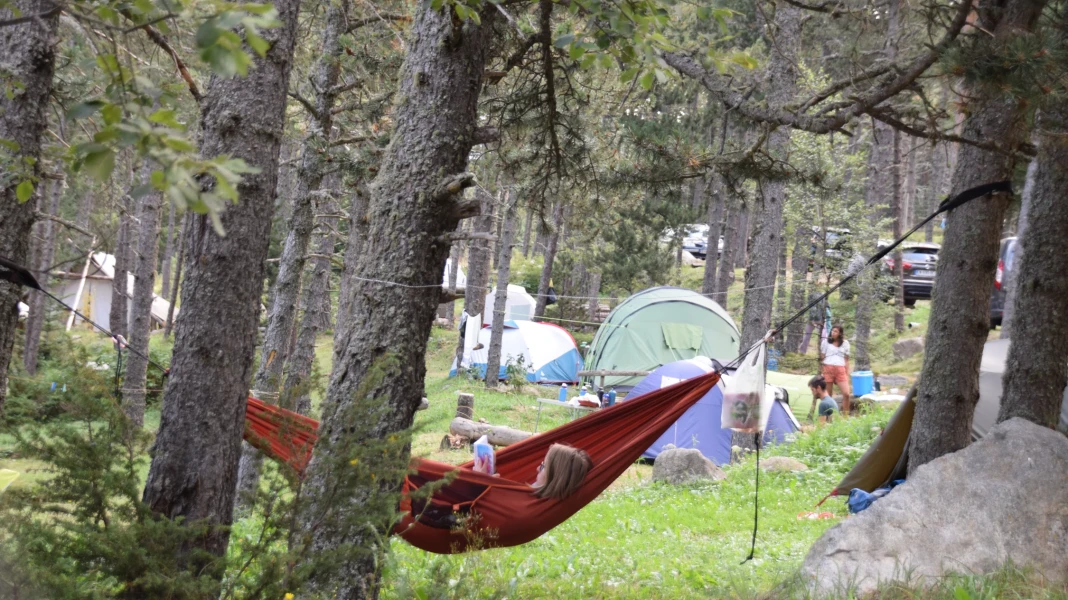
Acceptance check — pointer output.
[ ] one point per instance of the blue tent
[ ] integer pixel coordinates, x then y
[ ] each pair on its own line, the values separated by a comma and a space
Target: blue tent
699, 426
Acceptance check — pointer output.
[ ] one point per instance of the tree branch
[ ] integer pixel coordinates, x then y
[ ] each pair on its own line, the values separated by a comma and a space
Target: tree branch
28, 18
350, 140
306, 103
905, 76
992, 145
158, 39
451, 186
829, 7
486, 135
41, 216
456, 236
354, 25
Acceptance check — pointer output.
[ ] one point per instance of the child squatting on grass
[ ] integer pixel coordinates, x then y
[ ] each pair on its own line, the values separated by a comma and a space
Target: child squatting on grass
827, 405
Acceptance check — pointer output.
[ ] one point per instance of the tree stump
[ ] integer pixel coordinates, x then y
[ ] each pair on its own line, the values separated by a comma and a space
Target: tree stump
465, 406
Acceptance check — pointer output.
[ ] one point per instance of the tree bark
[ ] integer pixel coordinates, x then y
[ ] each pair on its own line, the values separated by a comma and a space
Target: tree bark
194, 467
27, 59
415, 200
454, 273
477, 268
960, 315
119, 313
144, 264
45, 258
780, 294
498, 435
504, 261
168, 253
733, 223
550, 256
715, 219
173, 300
1012, 286
353, 249
800, 259
299, 369
896, 210
594, 293
878, 181
767, 238
526, 231
1037, 367
742, 231
937, 189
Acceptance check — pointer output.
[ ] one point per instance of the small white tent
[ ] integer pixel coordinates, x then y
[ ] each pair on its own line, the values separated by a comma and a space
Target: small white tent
547, 350
95, 301
461, 279
518, 306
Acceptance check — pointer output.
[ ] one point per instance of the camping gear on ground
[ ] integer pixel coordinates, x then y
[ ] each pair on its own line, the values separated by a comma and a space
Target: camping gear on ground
659, 326
503, 507
860, 500
600, 396
863, 383
700, 427
887, 458
484, 457
518, 305
563, 392
611, 396
548, 351
773, 359
744, 407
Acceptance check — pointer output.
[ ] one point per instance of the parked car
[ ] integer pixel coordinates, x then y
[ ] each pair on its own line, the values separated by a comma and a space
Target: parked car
1006, 261
919, 261
696, 241
837, 245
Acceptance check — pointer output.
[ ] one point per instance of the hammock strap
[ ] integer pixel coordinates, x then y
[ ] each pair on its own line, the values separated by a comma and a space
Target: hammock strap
756, 499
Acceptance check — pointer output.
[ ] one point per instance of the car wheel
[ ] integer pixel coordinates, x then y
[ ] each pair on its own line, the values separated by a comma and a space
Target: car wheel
910, 302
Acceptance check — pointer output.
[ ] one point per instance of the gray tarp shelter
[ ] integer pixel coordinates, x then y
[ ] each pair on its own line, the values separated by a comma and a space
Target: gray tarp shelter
887, 458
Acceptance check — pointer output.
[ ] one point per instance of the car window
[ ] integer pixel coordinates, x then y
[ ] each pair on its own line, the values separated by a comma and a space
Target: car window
1010, 255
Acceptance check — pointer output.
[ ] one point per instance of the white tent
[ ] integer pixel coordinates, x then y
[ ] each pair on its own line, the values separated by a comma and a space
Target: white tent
95, 300
547, 350
461, 279
518, 306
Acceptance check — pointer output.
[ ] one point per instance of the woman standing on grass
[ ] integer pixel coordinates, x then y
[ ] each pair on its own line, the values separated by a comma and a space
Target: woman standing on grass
834, 358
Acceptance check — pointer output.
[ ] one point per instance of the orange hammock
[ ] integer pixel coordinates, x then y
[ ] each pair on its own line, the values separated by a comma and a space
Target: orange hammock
477, 510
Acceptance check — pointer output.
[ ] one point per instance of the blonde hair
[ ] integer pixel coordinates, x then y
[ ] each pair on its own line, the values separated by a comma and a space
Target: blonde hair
565, 469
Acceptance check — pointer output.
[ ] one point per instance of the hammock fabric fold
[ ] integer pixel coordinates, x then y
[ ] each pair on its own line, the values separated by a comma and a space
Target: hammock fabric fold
474, 510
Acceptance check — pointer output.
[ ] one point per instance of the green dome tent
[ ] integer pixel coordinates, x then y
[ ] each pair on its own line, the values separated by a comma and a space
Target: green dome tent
659, 326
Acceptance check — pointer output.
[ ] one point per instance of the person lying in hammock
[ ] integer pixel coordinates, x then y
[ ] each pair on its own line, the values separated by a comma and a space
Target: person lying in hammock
562, 472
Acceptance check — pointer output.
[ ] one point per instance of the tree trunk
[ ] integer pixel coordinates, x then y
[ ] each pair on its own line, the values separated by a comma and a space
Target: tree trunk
896, 210
194, 467
477, 269
937, 189
27, 60
119, 312
526, 231
780, 294
495, 256
594, 293
1037, 367
168, 253
960, 314
550, 256
173, 300
144, 265
725, 277
741, 233
299, 368
493, 358
1011, 284
45, 258
876, 185
498, 435
382, 353
454, 274
715, 218
767, 237
800, 259
353, 248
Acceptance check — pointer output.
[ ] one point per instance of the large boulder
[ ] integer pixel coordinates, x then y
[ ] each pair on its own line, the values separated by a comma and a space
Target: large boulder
908, 347
1003, 498
782, 464
684, 465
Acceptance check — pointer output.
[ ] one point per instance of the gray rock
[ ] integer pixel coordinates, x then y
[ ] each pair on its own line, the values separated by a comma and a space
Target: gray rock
907, 347
1004, 497
887, 382
683, 465
782, 464
423, 404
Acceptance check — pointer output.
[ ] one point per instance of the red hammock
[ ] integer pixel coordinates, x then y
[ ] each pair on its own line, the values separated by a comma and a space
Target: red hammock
477, 510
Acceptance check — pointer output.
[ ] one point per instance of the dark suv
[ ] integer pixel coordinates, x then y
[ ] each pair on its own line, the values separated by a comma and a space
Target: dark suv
919, 261
1006, 260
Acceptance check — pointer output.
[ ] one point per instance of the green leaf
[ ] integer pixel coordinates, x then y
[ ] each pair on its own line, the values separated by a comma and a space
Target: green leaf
112, 114
743, 60
159, 179
564, 40
106, 135
84, 109
576, 52
704, 13
961, 594
179, 144
257, 43
588, 60
647, 80
24, 190
629, 74
100, 163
